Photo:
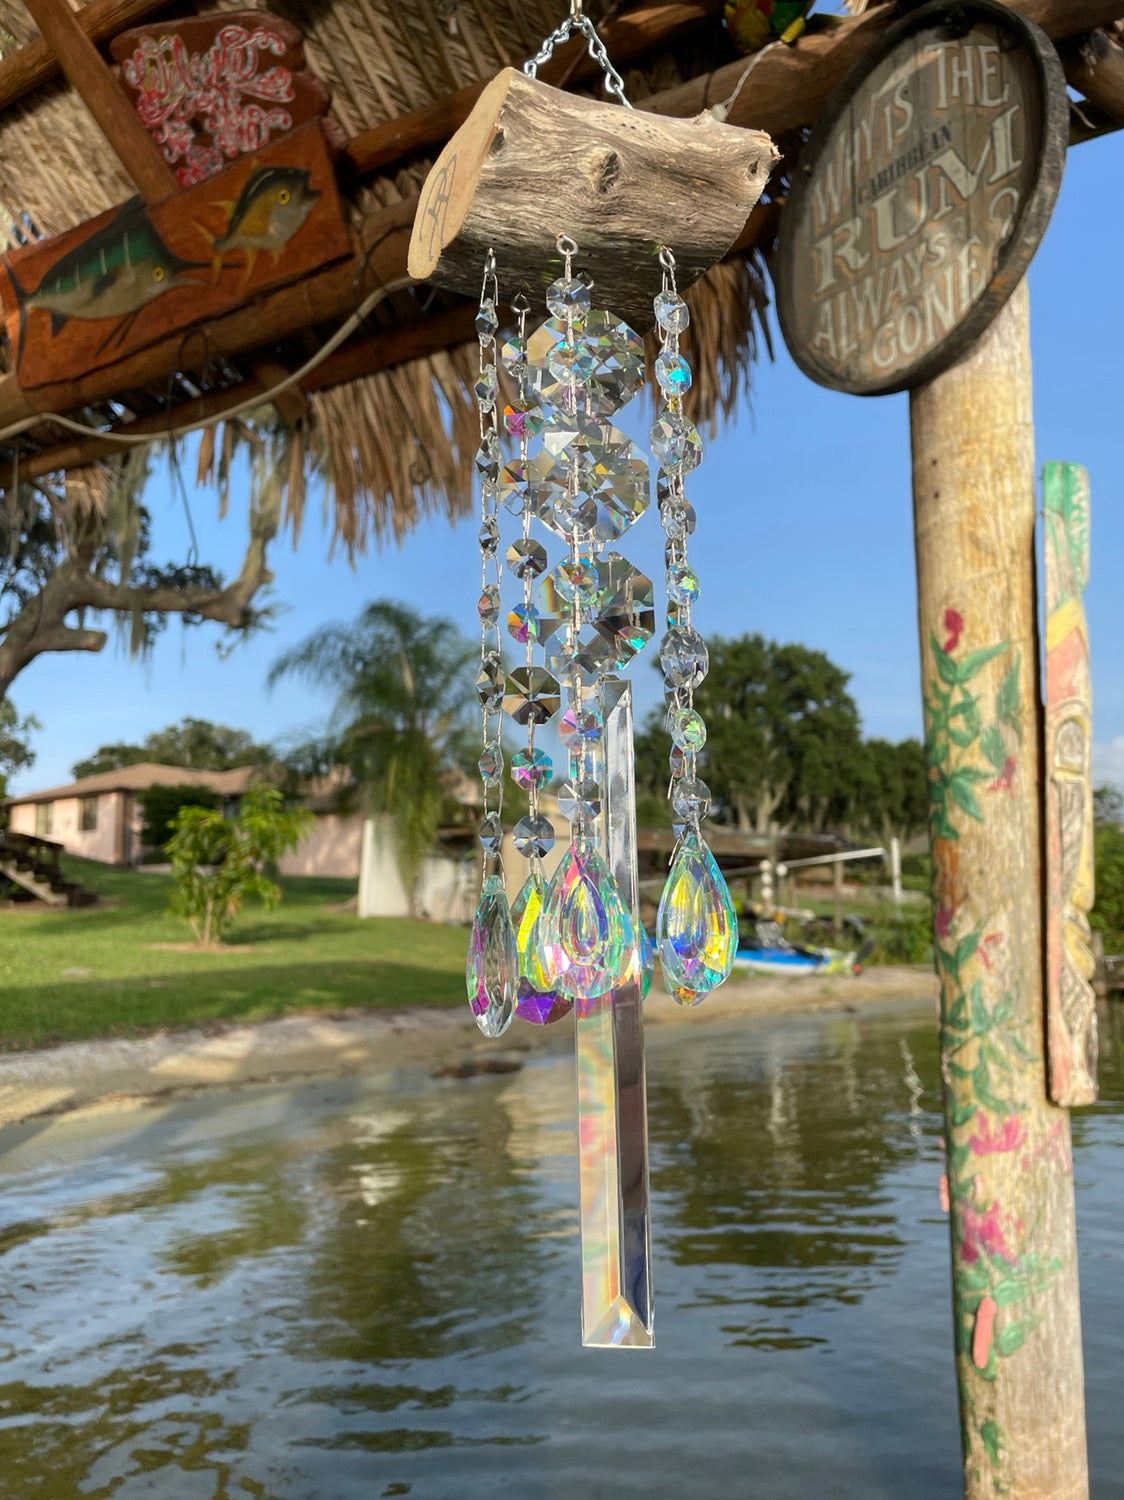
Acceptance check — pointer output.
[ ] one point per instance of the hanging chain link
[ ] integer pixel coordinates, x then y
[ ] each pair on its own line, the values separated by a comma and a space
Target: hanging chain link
578, 21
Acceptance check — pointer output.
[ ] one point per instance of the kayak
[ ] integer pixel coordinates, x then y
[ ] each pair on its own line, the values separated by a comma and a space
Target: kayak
794, 963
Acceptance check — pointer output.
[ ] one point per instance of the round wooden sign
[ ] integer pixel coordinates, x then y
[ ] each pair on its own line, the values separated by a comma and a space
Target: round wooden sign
921, 197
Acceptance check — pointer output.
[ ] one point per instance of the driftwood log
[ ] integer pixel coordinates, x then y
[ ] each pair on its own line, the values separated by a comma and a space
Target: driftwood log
532, 163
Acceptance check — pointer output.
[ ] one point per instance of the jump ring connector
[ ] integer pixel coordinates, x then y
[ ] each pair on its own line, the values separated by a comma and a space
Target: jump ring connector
566, 245
667, 259
521, 303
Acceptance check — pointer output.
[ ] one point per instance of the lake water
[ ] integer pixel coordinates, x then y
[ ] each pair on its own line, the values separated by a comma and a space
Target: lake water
371, 1288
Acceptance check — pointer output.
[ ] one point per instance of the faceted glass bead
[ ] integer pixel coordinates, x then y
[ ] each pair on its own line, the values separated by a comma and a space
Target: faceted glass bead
584, 944
490, 684
684, 657
617, 354
491, 764
513, 353
570, 360
679, 519
683, 584
626, 611
487, 387
688, 728
526, 556
523, 422
557, 592
673, 373
589, 477
486, 321
487, 464
531, 767
513, 486
582, 725
690, 799
533, 836
536, 1003
579, 799
488, 605
676, 442
697, 927
523, 623
489, 537
672, 313
491, 834
569, 294
532, 696
492, 969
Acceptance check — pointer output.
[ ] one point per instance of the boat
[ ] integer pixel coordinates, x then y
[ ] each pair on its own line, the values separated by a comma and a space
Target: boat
766, 950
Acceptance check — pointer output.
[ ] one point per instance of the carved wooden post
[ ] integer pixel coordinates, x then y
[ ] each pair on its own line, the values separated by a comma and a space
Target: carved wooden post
1017, 1321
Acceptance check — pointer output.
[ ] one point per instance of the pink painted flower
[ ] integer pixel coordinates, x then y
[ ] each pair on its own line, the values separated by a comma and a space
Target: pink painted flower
990, 941
946, 915
981, 1338
983, 1231
954, 624
943, 1190
1005, 781
1008, 1137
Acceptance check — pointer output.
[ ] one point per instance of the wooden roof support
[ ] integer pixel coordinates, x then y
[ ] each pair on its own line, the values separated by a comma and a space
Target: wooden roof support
36, 64
96, 84
1094, 66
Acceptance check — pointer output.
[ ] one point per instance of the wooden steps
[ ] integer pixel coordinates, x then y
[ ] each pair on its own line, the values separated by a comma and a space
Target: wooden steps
32, 866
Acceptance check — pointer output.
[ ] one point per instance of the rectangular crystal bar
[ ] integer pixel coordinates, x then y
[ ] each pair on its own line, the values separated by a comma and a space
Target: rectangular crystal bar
612, 1109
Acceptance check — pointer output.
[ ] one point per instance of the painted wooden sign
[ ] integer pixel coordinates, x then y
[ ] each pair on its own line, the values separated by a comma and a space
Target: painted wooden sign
921, 197
95, 294
1071, 1014
210, 89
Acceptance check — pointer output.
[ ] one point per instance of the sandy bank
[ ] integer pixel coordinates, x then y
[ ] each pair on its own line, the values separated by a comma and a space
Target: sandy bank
119, 1073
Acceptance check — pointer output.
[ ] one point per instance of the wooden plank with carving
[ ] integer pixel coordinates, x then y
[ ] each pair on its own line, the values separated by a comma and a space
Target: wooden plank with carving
134, 275
210, 89
1071, 1014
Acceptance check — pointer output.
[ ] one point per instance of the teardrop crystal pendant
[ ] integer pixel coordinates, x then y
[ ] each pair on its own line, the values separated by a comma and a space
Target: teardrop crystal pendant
536, 1000
697, 927
492, 971
585, 939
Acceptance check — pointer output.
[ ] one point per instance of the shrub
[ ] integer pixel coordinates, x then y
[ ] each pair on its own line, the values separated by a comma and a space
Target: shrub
161, 804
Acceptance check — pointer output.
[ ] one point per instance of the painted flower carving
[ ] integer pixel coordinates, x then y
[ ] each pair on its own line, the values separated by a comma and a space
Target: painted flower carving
954, 624
983, 1232
991, 1137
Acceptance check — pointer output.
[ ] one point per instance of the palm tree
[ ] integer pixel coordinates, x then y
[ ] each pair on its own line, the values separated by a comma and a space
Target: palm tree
400, 722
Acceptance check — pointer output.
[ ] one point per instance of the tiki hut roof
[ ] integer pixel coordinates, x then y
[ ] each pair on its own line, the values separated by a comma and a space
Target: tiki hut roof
389, 416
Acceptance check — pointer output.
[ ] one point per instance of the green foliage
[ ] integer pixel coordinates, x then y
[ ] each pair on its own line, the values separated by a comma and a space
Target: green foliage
217, 862
195, 743
161, 804
15, 752
905, 938
403, 717
1108, 911
1108, 805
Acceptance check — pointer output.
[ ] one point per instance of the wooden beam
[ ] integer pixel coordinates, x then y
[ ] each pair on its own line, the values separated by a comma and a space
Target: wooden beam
97, 86
36, 64
626, 37
1094, 66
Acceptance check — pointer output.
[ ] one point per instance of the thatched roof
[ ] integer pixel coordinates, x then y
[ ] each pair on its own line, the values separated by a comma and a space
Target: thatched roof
397, 443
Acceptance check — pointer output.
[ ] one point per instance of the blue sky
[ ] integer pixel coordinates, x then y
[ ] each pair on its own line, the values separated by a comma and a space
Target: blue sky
805, 534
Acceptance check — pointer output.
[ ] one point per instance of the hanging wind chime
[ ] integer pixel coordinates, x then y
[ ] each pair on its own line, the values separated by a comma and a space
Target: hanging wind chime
544, 196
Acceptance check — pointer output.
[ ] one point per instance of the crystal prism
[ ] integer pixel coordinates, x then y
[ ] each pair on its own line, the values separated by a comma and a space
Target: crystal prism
487, 387
523, 422
687, 728
690, 799
568, 295
673, 373
581, 725
617, 354
533, 696
526, 556
535, 1000
590, 479
626, 610
489, 537
488, 605
672, 313
579, 799
683, 584
491, 834
490, 683
486, 321
491, 764
684, 657
676, 442
584, 942
525, 624
533, 836
697, 927
531, 767
488, 459
492, 970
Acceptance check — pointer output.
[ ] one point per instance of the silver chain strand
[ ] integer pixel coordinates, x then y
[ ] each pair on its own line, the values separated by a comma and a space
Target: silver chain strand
577, 21
489, 445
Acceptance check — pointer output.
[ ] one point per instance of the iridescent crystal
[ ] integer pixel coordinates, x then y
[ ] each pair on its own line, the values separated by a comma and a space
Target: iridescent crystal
690, 799
488, 458
490, 682
568, 295
589, 477
697, 927
581, 724
514, 357
488, 605
647, 952
617, 353
524, 623
673, 373
487, 387
579, 799
683, 584
676, 441
570, 360
535, 1001
491, 834
513, 481
684, 657
492, 970
491, 763
526, 556
679, 519
672, 313
523, 422
532, 696
486, 321
531, 767
626, 611
533, 836
584, 940
687, 728
489, 537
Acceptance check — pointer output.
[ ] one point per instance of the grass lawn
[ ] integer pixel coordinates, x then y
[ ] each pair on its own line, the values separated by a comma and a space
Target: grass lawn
74, 974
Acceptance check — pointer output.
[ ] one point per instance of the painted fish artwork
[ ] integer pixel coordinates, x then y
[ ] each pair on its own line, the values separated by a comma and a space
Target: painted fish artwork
138, 273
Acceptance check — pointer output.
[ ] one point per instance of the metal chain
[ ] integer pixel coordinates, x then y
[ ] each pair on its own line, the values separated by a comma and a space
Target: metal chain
577, 21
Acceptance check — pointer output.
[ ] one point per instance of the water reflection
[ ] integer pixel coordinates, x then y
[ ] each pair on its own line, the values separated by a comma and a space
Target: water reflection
373, 1288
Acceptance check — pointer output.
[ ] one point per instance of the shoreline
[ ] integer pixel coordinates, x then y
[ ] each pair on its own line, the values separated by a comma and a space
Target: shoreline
120, 1073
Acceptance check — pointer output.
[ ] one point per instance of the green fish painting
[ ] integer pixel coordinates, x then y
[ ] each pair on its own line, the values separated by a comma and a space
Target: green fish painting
270, 209
116, 273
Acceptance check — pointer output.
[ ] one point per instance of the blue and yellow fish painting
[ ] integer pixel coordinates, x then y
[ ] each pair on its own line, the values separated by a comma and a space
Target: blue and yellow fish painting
115, 273
270, 209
